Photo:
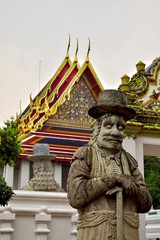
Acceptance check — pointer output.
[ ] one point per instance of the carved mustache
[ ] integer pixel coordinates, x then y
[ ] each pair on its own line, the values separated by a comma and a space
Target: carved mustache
117, 139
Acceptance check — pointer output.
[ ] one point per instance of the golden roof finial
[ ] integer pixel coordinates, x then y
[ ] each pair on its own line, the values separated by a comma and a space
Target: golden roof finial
69, 41
124, 87
89, 45
20, 107
17, 116
140, 66
30, 97
31, 100
75, 57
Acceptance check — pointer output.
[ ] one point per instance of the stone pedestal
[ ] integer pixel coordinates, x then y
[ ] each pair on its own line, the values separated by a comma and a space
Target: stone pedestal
74, 219
6, 220
42, 219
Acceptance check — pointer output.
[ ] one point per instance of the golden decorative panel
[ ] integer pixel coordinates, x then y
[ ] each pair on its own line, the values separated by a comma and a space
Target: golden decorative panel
76, 107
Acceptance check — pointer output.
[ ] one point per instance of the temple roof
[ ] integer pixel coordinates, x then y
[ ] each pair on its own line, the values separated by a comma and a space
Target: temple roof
143, 90
56, 91
58, 115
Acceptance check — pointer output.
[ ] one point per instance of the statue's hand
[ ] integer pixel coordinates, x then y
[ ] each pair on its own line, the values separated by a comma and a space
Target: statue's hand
110, 181
114, 190
127, 182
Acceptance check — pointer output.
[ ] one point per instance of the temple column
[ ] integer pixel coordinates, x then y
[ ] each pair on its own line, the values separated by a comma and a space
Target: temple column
8, 174
58, 173
135, 148
140, 160
130, 146
24, 173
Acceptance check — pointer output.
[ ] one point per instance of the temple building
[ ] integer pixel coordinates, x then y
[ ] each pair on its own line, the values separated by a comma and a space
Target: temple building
58, 115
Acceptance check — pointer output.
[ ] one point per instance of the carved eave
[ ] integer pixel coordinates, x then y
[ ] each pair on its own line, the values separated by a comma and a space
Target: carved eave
50, 86
136, 129
48, 104
39, 107
147, 120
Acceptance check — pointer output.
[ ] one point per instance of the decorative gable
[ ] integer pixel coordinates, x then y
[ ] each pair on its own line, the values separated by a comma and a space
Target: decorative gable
74, 111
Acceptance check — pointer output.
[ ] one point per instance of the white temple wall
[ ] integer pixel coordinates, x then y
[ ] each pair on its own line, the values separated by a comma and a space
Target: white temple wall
129, 146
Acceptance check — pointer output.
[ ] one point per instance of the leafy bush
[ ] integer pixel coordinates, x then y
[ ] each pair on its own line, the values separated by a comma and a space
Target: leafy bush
6, 192
10, 149
10, 146
152, 178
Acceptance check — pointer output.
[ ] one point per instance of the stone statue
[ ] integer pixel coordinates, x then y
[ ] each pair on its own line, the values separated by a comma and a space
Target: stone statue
43, 171
104, 182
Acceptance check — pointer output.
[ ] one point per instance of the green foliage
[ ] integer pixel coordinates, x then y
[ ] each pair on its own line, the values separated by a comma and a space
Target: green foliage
10, 146
5, 192
152, 178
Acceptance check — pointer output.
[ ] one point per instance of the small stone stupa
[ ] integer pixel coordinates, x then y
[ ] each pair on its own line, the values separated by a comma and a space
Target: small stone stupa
43, 171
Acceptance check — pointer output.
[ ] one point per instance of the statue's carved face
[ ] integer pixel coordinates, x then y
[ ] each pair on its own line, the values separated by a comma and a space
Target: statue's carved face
111, 132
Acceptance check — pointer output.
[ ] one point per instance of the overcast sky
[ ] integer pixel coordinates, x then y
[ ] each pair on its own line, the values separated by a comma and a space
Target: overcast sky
122, 32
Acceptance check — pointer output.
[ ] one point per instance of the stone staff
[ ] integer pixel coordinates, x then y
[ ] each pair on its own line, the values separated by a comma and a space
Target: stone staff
119, 211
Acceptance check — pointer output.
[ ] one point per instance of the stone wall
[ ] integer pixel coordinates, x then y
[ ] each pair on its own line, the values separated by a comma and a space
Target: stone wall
38, 216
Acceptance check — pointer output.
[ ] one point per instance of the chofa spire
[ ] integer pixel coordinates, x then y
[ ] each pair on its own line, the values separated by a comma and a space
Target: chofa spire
68, 47
89, 46
75, 57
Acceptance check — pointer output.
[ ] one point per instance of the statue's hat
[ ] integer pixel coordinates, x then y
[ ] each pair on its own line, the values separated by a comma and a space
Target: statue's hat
112, 101
41, 152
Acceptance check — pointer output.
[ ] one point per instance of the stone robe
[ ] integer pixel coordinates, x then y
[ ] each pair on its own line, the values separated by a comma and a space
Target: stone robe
97, 210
